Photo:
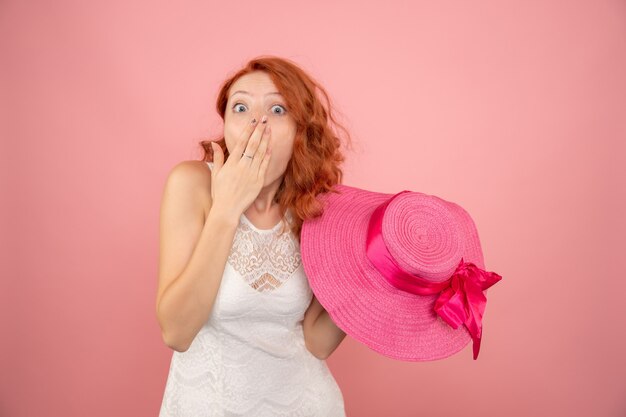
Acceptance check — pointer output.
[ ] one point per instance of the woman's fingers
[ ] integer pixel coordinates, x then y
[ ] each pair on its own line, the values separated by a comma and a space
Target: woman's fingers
255, 138
261, 150
237, 153
264, 163
218, 156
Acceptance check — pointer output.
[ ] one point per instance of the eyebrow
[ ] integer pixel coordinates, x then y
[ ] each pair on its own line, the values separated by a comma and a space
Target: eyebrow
247, 93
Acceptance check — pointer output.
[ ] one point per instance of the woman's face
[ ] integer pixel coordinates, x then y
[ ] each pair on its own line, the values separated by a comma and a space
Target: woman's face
252, 96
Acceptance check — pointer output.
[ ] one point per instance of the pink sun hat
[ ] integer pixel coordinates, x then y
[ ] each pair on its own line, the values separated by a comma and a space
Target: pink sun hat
402, 273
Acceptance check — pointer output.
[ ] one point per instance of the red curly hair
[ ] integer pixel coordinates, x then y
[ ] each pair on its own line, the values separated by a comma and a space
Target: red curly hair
314, 165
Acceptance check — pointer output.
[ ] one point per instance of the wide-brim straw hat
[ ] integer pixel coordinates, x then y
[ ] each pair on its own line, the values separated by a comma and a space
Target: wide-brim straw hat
402, 273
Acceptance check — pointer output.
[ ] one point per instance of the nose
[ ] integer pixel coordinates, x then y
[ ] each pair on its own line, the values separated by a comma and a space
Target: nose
259, 118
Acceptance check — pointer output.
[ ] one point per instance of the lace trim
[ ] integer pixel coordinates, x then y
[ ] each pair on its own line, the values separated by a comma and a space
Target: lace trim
264, 260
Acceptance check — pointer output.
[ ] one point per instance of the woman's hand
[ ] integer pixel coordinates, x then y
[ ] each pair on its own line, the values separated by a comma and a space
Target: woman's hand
238, 182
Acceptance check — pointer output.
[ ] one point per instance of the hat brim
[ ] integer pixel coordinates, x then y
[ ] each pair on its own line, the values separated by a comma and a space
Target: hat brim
357, 297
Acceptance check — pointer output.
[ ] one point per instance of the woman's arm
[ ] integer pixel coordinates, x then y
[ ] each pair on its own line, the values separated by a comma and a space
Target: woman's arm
321, 334
193, 254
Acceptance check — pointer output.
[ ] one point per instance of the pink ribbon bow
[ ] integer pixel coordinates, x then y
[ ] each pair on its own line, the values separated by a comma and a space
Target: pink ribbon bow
461, 299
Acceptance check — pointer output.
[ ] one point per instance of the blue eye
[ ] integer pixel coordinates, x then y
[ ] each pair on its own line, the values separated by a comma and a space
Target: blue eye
282, 107
236, 104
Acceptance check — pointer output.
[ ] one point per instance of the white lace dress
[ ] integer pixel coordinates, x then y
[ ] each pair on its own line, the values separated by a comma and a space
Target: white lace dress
249, 358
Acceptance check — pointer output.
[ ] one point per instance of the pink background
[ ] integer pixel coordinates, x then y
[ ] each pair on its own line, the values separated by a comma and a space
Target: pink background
515, 110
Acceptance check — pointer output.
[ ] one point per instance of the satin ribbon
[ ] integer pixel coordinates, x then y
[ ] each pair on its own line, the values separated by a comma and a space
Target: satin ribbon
461, 299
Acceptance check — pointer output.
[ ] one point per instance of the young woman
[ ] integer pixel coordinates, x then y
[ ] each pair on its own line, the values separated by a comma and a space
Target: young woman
249, 336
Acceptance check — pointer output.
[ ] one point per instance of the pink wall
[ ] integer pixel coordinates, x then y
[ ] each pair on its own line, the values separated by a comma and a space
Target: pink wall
516, 111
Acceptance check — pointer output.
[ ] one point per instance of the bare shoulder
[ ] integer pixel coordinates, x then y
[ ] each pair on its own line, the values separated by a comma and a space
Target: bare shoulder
195, 178
191, 174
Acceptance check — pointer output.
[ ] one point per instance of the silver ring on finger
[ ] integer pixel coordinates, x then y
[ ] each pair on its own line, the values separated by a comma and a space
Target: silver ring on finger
244, 154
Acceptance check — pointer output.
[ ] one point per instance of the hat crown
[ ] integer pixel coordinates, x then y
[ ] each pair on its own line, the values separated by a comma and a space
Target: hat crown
422, 234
